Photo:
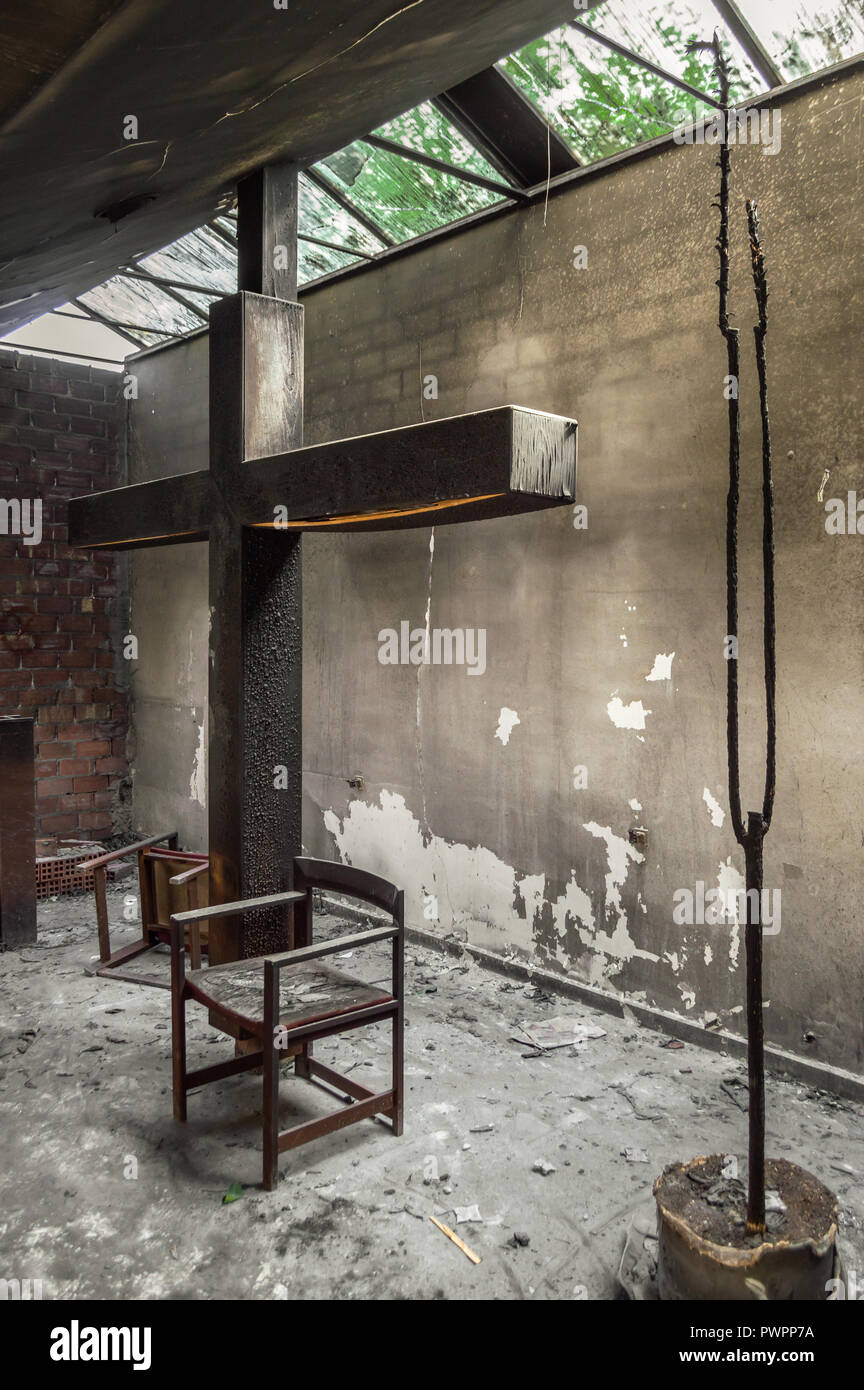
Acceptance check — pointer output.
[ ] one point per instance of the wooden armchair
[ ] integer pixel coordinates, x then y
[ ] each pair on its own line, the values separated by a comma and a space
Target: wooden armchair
289, 999
168, 879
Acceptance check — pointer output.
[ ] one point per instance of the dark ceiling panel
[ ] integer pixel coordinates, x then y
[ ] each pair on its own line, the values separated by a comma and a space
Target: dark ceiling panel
37, 37
217, 88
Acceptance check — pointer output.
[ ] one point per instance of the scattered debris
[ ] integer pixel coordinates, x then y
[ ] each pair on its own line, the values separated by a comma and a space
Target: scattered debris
673, 1045
541, 1166
550, 1033
730, 1166
475, 1259
520, 1238
844, 1168
640, 1114
635, 1155
234, 1193
482, 1129
464, 1214
731, 1085
773, 1201
637, 1268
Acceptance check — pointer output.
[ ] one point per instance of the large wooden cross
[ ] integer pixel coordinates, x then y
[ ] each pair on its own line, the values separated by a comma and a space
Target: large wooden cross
261, 492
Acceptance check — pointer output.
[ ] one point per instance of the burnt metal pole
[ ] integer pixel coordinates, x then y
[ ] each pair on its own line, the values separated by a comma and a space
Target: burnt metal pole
752, 837
755, 1025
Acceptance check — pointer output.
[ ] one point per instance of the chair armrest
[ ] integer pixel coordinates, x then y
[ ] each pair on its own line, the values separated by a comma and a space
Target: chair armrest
123, 853
201, 914
329, 948
301, 953
188, 874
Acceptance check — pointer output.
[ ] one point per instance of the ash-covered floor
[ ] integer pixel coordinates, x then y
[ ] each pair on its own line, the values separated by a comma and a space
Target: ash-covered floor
103, 1195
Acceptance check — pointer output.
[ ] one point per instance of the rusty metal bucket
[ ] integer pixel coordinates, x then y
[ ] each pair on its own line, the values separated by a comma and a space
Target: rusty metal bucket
693, 1268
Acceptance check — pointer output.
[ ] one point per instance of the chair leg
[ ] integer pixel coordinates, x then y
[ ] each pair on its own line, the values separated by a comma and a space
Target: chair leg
398, 1071
270, 1124
302, 1060
178, 1051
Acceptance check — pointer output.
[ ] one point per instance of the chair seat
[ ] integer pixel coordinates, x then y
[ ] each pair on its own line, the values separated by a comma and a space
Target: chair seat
309, 992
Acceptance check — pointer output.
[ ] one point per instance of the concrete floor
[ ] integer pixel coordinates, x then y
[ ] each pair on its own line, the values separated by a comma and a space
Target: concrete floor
103, 1195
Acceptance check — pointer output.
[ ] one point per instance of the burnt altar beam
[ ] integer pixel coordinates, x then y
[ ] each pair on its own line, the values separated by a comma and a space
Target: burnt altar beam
494, 463
17, 833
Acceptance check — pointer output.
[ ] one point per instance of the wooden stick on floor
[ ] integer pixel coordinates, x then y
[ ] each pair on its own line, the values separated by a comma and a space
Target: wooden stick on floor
475, 1259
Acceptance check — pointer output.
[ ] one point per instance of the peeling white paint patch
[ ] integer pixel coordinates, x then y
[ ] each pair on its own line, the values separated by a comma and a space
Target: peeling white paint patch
821, 493
198, 780
731, 882
662, 668
618, 944
709, 954
618, 851
477, 893
718, 815
473, 889
672, 957
622, 637
687, 996
630, 716
635, 805
575, 904
507, 720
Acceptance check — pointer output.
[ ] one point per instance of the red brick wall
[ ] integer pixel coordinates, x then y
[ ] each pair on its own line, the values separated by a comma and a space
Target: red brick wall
61, 611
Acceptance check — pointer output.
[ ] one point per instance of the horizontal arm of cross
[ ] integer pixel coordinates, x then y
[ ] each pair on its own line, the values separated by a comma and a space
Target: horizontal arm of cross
492, 463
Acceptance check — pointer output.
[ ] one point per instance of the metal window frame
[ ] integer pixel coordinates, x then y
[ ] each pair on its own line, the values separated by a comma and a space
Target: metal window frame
441, 166
738, 24
473, 130
646, 63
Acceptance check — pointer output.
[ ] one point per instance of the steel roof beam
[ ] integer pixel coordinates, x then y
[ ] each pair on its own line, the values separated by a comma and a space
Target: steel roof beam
507, 128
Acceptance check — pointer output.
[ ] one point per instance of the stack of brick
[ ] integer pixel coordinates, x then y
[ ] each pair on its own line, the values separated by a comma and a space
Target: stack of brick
61, 611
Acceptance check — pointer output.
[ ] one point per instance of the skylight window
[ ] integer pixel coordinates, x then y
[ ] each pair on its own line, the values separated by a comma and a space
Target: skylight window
419, 172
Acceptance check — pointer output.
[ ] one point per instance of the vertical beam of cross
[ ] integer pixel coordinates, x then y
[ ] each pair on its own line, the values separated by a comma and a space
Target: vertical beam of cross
255, 647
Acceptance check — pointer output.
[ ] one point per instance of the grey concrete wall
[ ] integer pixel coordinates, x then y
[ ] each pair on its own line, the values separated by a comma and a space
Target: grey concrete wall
167, 432
493, 840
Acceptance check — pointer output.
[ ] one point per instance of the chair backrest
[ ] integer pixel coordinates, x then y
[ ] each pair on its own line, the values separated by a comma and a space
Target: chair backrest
158, 897
354, 883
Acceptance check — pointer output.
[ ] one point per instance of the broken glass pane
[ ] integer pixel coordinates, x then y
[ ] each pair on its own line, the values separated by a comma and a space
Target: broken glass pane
661, 32
322, 217
404, 198
315, 261
80, 340
428, 130
597, 100
199, 258
137, 302
802, 38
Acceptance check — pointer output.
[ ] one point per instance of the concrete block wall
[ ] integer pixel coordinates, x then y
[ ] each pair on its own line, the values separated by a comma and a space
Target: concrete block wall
500, 839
